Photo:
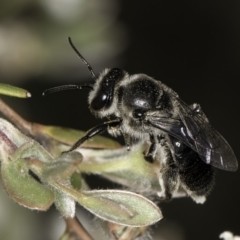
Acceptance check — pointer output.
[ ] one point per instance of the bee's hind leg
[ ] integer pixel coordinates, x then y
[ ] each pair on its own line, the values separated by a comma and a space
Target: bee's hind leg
168, 176
151, 153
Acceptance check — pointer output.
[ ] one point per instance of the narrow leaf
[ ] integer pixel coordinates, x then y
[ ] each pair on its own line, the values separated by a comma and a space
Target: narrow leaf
69, 136
12, 91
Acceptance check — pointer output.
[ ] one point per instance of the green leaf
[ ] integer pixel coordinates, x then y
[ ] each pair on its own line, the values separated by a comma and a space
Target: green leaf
60, 168
121, 207
23, 188
122, 166
76, 181
12, 91
65, 204
69, 136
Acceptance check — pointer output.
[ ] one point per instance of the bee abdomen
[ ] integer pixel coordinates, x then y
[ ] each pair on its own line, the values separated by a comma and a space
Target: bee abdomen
196, 175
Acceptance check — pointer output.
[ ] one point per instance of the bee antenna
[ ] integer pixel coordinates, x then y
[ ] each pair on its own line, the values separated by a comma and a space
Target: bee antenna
82, 58
66, 87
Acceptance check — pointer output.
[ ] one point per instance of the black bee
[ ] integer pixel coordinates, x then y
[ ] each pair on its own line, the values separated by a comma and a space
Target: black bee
180, 136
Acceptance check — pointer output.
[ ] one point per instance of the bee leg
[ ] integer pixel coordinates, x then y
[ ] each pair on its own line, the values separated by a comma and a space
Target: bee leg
150, 155
168, 177
93, 132
169, 183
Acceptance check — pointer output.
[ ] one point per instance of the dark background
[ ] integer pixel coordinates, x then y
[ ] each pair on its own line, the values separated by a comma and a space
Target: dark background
194, 48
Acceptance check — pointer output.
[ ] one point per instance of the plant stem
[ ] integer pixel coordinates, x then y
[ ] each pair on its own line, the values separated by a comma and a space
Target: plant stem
76, 229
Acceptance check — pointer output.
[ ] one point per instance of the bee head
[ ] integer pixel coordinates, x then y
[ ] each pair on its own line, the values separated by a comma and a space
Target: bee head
103, 96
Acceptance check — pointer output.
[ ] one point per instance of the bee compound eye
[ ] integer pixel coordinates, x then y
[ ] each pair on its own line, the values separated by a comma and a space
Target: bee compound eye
99, 102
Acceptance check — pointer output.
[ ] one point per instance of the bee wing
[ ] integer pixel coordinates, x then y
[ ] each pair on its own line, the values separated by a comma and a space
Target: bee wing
198, 134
